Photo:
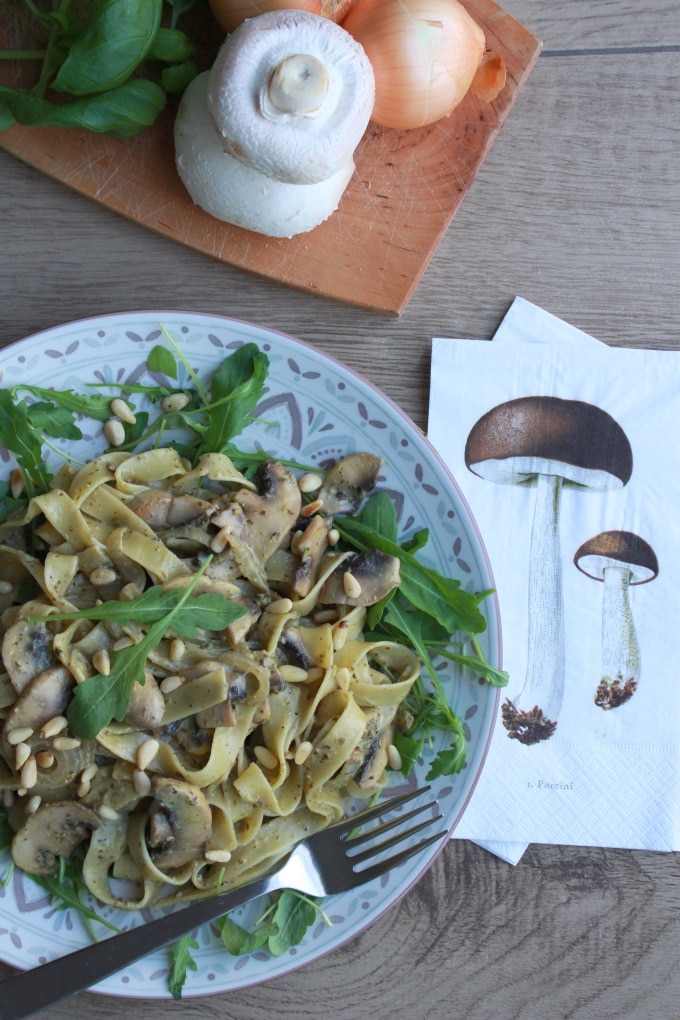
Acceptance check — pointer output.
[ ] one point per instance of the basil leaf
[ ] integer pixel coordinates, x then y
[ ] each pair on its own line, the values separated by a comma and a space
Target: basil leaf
172, 46
117, 36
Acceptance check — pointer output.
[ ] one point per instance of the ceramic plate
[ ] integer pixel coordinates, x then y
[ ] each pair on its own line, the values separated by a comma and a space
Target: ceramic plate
314, 410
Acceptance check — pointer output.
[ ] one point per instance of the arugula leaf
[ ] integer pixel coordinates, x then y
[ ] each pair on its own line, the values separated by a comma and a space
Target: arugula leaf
54, 421
67, 889
162, 360
181, 961
410, 750
99, 699
235, 389
17, 436
207, 611
239, 941
98, 408
293, 915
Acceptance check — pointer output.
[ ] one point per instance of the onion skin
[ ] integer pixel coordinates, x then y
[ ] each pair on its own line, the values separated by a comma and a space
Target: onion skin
229, 14
425, 54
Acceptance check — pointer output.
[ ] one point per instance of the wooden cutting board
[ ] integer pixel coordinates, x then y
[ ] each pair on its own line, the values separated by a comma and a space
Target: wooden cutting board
372, 252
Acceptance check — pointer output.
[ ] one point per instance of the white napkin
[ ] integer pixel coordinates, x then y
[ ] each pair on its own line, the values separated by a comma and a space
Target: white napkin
604, 778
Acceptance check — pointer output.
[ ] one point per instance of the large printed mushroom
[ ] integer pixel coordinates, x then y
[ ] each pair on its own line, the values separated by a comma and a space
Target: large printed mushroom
619, 559
548, 443
266, 139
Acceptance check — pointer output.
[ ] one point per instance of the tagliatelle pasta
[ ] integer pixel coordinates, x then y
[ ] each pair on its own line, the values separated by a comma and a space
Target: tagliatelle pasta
234, 743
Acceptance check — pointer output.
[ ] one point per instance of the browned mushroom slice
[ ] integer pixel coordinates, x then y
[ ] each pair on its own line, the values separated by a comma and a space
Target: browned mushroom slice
44, 697
310, 547
271, 514
180, 822
362, 580
348, 483
146, 706
53, 831
619, 559
162, 510
548, 443
27, 650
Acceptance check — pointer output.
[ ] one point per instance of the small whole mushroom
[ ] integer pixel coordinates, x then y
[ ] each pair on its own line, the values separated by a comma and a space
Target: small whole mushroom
266, 139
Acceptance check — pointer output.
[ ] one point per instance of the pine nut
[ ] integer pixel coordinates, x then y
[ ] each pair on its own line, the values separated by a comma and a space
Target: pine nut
129, 592
293, 674
32, 804
142, 783
54, 726
121, 643
106, 812
5, 588
218, 856
19, 735
340, 632
220, 541
82, 788
22, 753
171, 683
101, 661
89, 772
315, 673
8, 798
310, 482
296, 543
174, 402
146, 752
303, 752
103, 575
351, 585
65, 743
16, 483
45, 759
266, 757
311, 508
29, 774
343, 678
333, 536
279, 607
325, 616
394, 758
177, 649
114, 432
123, 411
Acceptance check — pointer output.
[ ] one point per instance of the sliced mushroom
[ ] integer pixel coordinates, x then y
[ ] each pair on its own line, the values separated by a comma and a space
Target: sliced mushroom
147, 705
162, 511
310, 547
27, 650
180, 822
53, 831
374, 572
43, 698
374, 744
349, 482
271, 514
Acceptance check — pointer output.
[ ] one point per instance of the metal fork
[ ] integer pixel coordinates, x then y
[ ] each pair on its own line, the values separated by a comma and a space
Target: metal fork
322, 865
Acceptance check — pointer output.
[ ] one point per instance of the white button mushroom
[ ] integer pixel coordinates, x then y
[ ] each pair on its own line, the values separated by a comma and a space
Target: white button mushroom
265, 140
619, 559
548, 443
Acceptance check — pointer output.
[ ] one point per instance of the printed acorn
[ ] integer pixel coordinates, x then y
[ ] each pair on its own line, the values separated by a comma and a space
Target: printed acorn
548, 443
618, 559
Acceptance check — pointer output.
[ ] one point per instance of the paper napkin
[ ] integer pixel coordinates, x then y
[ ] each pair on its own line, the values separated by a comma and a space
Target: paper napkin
606, 776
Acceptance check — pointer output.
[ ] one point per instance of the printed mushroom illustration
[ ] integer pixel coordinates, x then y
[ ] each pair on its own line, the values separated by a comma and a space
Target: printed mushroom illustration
619, 559
549, 443
265, 140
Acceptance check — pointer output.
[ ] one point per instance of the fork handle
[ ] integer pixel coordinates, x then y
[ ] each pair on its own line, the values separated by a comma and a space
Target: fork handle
26, 993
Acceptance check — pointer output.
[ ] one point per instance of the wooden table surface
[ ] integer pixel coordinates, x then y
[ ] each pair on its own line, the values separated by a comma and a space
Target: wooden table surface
577, 209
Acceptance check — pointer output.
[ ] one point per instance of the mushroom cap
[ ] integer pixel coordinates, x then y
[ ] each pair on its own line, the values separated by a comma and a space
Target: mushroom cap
519, 439
237, 193
617, 548
290, 147
53, 831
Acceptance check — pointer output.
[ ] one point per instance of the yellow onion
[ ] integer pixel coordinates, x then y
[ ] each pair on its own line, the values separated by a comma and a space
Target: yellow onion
425, 54
229, 14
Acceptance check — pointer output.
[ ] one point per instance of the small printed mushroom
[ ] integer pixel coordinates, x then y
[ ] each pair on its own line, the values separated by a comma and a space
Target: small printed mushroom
549, 443
180, 822
270, 514
348, 483
27, 650
51, 832
374, 572
265, 140
619, 559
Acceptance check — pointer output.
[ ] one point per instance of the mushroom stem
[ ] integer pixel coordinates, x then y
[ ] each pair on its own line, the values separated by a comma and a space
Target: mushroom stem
532, 716
298, 85
620, 649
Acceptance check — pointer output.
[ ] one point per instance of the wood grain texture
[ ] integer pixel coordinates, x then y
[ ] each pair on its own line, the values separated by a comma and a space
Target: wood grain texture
577, 209
373, 251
